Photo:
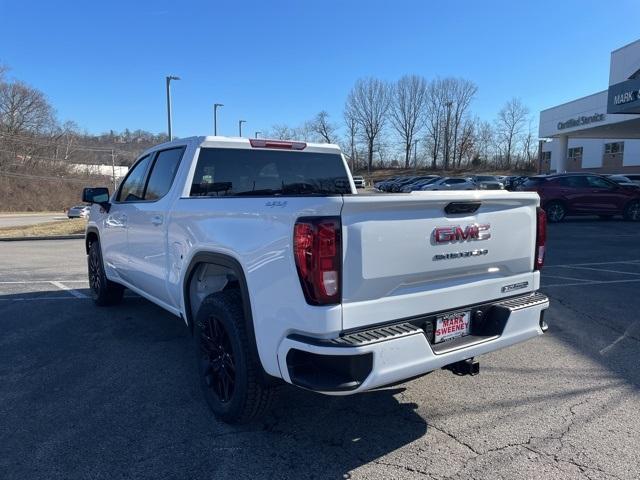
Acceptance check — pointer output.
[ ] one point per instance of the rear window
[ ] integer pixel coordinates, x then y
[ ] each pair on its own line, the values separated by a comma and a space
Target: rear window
224, 172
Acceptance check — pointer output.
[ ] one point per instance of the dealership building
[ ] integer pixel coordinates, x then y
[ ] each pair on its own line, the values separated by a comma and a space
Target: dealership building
599, 132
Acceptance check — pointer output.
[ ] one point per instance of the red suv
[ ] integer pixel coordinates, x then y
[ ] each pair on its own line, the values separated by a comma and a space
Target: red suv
584, 194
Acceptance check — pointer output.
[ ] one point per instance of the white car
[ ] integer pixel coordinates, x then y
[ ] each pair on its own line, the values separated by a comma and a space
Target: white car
79, 211
359, 181
282, 272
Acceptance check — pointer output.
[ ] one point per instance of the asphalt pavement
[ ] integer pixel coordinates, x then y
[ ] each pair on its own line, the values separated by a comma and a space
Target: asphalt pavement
89, 392
27, 219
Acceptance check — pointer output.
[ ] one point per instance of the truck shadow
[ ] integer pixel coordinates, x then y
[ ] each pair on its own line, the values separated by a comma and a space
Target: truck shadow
112, 392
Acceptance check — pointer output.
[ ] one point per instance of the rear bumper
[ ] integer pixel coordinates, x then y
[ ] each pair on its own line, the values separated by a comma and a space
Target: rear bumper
373, 358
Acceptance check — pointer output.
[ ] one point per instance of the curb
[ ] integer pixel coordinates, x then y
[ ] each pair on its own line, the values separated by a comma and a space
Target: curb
58, 237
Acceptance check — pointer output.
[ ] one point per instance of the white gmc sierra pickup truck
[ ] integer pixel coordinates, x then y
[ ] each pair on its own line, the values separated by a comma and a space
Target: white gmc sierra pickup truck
282, 271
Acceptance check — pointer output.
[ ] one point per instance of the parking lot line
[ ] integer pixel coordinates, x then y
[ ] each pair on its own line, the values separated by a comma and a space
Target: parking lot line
601, 270
635, 261
26, 282
591, 282
72, 291
564, 278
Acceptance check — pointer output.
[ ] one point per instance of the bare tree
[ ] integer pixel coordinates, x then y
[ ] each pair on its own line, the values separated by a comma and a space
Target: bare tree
407, 110
434, 116
368, 102
510, 123
466, 140
282, 132
485, 140
462, 93
324, 128
23, 109
352, 132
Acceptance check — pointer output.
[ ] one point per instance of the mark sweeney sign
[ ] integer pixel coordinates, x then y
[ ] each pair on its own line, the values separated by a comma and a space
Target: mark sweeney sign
624, 97
582, 120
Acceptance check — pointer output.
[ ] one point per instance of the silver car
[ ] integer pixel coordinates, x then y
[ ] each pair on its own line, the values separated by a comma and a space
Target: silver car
79, 211
450, 183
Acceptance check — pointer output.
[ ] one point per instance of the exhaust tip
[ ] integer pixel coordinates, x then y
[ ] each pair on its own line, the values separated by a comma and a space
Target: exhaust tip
544, 326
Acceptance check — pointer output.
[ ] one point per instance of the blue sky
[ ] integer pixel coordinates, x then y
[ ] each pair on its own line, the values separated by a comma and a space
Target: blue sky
102, 64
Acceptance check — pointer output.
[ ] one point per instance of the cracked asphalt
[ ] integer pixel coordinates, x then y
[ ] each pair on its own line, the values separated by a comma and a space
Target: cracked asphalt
111, 393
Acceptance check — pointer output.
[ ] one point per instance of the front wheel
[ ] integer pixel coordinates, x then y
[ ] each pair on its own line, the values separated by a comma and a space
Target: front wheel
555, 212
103, 291
632, 211
228, 371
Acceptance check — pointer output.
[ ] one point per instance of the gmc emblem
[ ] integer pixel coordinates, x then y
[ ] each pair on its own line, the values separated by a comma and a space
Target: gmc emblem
458, 234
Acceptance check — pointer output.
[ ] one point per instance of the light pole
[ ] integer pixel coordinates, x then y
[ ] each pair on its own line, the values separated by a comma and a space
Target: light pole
240, 122
215, 117
446, 136
258, 133
169, 78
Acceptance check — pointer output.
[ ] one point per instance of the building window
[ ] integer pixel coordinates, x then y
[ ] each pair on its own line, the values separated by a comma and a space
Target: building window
575, 152
615, 147
546, 156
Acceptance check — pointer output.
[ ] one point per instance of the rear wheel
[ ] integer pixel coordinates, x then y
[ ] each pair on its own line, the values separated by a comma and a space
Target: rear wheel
103, 291
555, 212
632, 211
229, 373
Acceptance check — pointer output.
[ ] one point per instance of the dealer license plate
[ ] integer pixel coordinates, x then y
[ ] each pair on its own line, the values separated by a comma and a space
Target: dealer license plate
452, 325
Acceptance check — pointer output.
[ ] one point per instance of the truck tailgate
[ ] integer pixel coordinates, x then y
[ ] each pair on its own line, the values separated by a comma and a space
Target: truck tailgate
394, 268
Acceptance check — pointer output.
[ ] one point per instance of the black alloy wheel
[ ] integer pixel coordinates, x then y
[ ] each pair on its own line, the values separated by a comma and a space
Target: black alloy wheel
217, 359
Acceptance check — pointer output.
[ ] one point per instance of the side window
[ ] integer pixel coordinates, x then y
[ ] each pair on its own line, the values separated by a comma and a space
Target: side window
162, 173
597, 182
453, 181
574, 182
132, 188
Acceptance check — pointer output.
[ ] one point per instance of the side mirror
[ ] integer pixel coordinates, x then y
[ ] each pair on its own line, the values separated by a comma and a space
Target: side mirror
99, 195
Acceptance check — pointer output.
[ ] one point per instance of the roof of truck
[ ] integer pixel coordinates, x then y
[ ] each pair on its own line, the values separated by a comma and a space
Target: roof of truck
241, 142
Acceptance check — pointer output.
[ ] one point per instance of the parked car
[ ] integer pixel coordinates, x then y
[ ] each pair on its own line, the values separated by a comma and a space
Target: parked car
359, 181
284, 274
485, 178
450, 183
513, 181
384, 185
583, 194
489, 185
419, 184
79, 211
397, 186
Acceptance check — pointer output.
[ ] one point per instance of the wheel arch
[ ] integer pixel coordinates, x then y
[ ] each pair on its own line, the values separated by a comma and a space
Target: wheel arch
92, 235
232, 265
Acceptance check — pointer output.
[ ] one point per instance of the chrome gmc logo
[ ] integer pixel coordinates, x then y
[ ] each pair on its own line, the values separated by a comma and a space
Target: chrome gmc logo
459, 234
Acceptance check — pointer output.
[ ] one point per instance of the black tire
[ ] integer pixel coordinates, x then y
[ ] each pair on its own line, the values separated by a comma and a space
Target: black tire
103, 291
555, 211
227, 367
632, 211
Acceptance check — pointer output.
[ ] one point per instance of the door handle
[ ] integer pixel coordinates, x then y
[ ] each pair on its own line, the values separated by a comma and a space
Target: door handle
157, 219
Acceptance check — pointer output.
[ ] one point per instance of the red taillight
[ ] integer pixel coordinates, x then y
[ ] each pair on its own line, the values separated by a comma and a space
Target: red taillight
262, 143
317, 250
541, 238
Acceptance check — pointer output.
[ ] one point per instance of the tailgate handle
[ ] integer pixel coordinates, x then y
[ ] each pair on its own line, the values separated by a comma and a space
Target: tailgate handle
462, 207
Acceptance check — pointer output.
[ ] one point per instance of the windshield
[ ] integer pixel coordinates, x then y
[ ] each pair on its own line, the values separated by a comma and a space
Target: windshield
245, 172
